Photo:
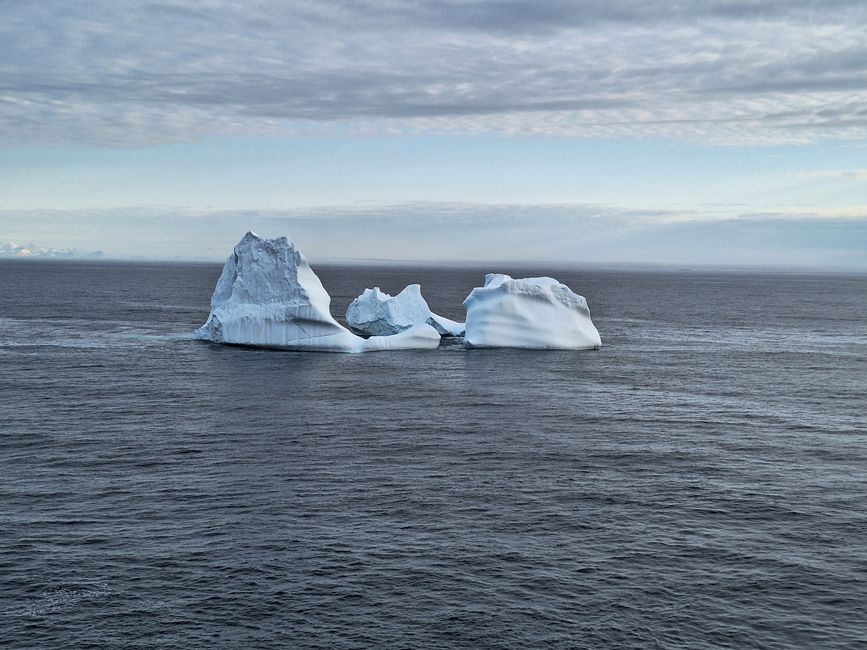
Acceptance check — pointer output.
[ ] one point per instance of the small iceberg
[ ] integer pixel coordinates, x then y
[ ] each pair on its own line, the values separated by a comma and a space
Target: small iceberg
376, 313
268, 296
535, 313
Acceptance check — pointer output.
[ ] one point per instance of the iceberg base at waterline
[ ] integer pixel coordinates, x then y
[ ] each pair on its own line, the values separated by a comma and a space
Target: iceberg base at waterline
268, 296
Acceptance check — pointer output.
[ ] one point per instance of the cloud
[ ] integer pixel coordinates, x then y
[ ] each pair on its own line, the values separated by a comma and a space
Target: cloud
841, 174
463, 232
132, 74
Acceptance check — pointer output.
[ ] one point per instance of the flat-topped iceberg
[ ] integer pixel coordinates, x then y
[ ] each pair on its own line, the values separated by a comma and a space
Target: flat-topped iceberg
538, 313
375, 312
268, 296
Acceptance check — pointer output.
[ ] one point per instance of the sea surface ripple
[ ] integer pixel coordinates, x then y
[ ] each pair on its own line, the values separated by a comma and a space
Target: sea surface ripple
700, 481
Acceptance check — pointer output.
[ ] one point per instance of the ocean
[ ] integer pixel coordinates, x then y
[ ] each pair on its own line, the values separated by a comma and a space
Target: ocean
699, 482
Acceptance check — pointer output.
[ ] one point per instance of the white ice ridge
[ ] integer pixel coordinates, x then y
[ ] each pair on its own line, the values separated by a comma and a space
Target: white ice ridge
528, 313
268, 296
375, 312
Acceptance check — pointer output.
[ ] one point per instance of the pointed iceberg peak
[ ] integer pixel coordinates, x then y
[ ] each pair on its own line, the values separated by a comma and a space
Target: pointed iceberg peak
251, 239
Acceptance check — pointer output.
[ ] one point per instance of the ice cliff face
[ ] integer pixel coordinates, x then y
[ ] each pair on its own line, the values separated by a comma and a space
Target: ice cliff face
539, 313
375, 312
268, 296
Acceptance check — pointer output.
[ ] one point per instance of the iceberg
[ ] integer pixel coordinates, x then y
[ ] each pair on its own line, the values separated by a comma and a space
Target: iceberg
268, 296
375, 312
536, 313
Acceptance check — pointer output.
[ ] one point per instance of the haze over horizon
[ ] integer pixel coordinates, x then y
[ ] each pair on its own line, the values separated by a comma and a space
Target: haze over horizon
577, 132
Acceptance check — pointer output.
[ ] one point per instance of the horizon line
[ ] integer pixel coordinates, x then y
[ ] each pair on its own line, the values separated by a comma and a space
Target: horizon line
606, 265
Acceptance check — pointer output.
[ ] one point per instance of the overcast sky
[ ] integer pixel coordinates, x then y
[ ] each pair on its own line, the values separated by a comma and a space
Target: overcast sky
587, 131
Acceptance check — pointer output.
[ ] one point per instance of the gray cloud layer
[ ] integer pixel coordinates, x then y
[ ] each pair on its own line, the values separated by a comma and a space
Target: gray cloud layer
119, 73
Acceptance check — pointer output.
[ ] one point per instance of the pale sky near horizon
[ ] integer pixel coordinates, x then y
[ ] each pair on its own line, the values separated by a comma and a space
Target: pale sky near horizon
590, 131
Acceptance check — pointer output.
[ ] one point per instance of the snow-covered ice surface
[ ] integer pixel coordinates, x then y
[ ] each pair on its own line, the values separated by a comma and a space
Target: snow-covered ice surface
375, 312
446, 326
268, 296
538, 313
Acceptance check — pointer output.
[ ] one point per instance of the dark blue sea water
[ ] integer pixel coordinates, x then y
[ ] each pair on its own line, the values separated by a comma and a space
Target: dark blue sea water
699, 482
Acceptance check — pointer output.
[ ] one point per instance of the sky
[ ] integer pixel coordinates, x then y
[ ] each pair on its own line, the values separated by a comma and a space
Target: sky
582, 132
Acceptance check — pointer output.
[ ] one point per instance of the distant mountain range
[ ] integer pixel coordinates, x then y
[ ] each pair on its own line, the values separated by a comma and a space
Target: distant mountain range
11, 249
